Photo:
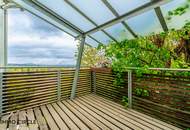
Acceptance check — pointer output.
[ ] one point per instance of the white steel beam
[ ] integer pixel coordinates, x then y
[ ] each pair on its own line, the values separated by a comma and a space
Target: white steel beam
80, 53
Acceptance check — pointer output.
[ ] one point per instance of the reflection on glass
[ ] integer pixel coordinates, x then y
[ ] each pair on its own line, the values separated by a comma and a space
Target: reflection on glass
91, 42
95, 10
145, 24
176, 13
124, 6
119, 32
67, 12
100, 36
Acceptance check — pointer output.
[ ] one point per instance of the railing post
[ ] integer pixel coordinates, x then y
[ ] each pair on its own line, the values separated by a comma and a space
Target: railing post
130, 88
94, 81
59, 85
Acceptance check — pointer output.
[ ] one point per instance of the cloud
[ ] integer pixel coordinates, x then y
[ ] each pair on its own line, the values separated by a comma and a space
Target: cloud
33, 41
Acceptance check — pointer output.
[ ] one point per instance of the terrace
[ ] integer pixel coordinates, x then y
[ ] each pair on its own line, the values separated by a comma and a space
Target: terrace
33, 98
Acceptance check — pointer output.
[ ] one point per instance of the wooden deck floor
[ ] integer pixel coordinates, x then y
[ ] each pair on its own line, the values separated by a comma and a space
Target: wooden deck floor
84, 113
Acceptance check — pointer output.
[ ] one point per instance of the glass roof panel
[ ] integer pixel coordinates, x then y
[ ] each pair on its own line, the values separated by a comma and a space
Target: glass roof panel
100, 14
100, 36
68, 13
40, 14
145, 24
124, 6
91, 42
119, 32
176, 13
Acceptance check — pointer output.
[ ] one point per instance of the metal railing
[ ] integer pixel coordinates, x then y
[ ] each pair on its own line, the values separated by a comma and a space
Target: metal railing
24, 87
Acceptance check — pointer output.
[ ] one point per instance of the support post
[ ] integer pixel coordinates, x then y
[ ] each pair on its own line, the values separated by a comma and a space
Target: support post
3, 47
81, 48
3, 35
130, 88
94, 81
59, 85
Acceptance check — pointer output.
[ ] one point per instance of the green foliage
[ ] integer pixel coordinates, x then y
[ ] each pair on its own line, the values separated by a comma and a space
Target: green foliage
125, 101
140, 52
119, 80
164, 50
140, 92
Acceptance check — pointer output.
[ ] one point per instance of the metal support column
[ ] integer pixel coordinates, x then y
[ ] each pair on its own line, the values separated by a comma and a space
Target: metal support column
3, 35
130, 88
3, 46
81, 48
59, 85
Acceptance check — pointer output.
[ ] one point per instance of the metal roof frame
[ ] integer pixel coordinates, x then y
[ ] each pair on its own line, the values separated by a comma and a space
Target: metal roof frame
153, 4
48, 13
109, 6
161, 18
144, 8
90, 20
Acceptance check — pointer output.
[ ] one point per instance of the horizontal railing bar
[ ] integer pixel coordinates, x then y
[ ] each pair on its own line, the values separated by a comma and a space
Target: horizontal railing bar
158, 69
138, 68
67, 68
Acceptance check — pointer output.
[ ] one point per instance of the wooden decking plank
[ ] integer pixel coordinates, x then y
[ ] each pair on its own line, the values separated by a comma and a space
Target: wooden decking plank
88, 115
13, 121
62, 125
142, 124
100, 118
64, 117
119, 107
112, 120
129, 122
155, 120
125, 112
40, 119
79, 123
81, 116
4, 122
32, 122
22, 121
50, 121
146, 118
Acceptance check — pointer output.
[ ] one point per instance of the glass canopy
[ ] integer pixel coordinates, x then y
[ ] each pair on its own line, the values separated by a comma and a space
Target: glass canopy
103, 21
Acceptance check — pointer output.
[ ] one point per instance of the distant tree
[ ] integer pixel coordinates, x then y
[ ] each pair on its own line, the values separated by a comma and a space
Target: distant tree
94, 57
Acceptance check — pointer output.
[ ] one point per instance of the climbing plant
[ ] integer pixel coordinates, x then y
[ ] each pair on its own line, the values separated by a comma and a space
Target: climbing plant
164, 50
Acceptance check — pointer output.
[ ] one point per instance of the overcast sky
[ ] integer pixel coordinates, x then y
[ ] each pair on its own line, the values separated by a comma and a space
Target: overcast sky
31, 40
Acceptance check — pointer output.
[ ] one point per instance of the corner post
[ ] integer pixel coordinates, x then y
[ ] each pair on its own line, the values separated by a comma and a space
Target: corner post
81, 48
130, 88
3, 47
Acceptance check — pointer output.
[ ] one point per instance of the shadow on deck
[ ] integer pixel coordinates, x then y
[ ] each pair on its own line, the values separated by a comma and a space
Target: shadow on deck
86, 112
